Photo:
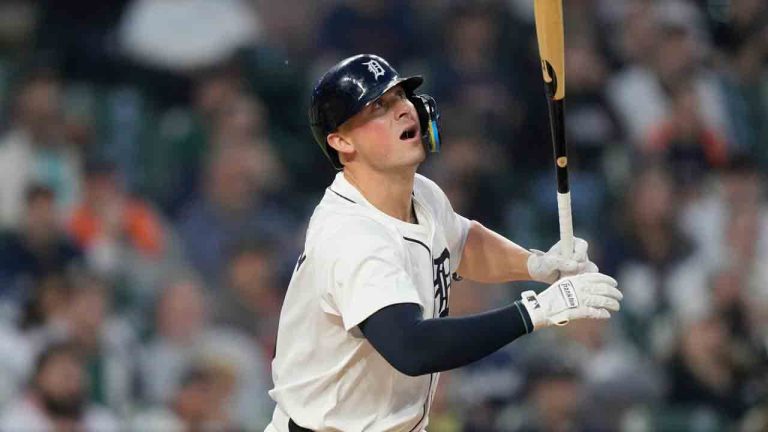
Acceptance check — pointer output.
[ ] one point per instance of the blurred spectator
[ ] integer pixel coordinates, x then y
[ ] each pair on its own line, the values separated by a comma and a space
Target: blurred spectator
216, 89
76, 309
233, 205
743, 316
18, 23
46, 305
746, 85
107, 344
112, 226
38, 323
291, 26
198, 404
470, 85
173, 160
655, 264
729, 222
469, 171
703, 373
383, 27
35, 149
179, 320
638, 33
56, 400
737, 20
252, 298
244, 124
552, 404
40, 247
679, 50
616, 376
684, 141
240, 123
756, 419
184, 335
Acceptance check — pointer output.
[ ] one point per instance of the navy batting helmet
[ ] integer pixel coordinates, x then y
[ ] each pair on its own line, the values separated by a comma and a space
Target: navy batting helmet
352, 84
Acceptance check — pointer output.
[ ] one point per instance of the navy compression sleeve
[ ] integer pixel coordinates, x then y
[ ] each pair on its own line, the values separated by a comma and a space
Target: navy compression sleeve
417, 346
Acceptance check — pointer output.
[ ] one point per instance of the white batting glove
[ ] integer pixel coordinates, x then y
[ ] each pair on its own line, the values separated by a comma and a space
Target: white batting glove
550, 266
588, 295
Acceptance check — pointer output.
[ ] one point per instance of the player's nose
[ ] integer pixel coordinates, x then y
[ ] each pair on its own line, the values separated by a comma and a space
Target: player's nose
405, 110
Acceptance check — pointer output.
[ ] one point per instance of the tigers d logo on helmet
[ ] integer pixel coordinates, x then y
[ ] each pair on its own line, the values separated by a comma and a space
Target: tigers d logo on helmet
375, 68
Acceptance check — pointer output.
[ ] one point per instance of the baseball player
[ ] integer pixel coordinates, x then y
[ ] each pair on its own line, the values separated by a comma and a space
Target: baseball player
364, 329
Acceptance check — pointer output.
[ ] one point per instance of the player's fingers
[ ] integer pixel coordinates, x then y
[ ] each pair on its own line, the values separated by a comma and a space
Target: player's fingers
602, 302
553, 263
605, 290
580, 247
566, 265
596, 278
588, 267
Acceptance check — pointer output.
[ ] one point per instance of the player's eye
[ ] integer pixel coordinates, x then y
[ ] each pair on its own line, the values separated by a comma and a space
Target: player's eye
378, 104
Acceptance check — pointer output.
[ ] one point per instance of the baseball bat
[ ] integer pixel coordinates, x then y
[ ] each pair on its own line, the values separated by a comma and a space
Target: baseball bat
550, 35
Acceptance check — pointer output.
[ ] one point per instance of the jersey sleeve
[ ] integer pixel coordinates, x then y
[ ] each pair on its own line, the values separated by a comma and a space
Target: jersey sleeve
454, 225
368, 273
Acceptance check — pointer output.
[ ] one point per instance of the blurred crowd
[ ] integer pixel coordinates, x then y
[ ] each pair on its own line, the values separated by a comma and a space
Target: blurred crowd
157, 174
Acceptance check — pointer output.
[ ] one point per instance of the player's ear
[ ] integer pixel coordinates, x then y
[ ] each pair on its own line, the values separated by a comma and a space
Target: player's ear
341, 143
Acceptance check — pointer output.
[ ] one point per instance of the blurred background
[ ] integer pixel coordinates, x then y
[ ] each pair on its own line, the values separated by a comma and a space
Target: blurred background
157, 173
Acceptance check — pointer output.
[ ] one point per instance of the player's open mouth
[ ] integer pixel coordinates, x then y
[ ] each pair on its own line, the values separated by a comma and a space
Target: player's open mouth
409, 133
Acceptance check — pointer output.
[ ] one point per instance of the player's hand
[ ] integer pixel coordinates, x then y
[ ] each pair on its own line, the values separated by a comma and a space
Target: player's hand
550, 266
588, 295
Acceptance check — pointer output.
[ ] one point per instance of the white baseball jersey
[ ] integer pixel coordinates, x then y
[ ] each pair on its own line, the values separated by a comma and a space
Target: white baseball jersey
358, 260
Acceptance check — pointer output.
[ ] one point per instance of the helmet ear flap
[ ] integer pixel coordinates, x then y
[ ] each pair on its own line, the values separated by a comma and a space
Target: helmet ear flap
429, 121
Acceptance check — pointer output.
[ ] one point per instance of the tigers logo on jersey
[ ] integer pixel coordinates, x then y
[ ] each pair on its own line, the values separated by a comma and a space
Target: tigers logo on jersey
442, 281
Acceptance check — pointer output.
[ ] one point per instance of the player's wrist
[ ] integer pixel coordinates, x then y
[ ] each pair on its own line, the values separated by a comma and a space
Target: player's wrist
525, 316
530, 264
534, 309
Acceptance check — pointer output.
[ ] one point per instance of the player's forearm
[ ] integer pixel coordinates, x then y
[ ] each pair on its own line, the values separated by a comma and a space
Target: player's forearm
416, 346
491, 258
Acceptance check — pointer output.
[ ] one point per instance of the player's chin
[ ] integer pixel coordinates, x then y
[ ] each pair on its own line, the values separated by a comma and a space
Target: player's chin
410, 161
419, 154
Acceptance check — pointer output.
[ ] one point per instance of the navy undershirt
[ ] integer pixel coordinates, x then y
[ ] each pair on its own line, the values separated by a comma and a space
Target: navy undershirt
417, 346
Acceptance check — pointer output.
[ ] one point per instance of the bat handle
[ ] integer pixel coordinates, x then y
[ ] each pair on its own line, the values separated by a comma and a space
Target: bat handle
566, 223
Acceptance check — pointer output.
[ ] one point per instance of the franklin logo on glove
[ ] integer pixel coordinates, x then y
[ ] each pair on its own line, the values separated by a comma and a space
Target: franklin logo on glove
569, 294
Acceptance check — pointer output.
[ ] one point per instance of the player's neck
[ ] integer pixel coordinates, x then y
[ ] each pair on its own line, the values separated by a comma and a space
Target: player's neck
389, 193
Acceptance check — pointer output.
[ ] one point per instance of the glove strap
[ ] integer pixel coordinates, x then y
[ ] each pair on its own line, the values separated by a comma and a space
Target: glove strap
536, 312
